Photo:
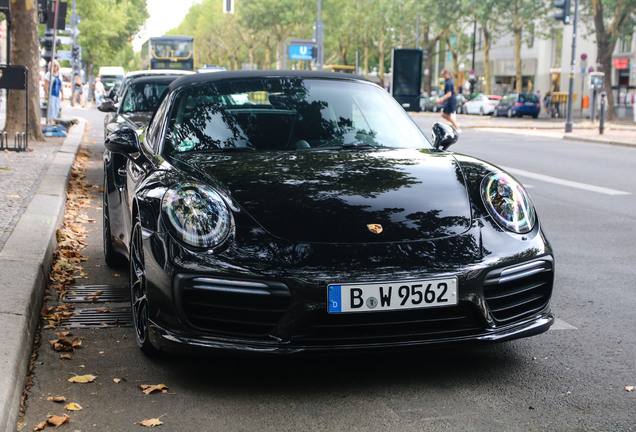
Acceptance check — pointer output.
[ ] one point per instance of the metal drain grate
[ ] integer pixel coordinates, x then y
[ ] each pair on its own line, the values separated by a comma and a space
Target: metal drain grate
99, 318
98, 294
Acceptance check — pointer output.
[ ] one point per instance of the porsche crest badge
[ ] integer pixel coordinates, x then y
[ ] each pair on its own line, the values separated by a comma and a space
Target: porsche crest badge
375, 228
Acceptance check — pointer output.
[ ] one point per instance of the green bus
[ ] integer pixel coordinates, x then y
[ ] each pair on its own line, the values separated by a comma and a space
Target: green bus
168, 52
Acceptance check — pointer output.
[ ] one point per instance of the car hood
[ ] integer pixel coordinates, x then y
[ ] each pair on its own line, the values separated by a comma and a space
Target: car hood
342, 196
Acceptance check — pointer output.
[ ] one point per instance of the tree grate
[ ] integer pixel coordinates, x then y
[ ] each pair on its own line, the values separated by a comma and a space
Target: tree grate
97, 294
99, 318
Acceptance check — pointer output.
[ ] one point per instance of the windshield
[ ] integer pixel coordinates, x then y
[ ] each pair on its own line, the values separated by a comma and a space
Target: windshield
288, 114
143, 96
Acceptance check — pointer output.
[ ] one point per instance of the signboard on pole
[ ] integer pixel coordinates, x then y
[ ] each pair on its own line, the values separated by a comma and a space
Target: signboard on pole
301, 52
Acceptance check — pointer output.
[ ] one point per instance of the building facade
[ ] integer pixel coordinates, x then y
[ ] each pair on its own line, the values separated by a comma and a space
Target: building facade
547, 62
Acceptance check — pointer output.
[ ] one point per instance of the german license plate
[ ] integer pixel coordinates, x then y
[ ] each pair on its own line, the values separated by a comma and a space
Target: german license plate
396, 295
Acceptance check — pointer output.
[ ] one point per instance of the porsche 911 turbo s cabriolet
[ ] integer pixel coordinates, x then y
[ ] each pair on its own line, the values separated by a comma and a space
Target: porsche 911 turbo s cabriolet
292, 211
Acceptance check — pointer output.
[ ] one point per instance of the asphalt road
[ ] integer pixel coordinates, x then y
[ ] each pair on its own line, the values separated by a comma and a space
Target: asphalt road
572, 378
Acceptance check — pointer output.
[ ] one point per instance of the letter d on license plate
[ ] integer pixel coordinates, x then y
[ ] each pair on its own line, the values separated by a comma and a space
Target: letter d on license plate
397, 295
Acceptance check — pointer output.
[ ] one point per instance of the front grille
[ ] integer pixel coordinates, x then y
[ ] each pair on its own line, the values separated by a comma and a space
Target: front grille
393, 327
517, 292
234, 308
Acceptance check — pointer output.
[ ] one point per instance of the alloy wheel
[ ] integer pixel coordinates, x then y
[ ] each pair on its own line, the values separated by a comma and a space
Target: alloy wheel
139, 290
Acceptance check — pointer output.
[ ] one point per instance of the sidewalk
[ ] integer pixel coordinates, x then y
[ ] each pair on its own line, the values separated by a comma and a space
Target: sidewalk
615, 133
33, 201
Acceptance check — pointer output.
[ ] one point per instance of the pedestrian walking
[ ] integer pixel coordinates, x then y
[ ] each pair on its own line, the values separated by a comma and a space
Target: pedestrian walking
449, 99
99, 91
56, 95
78, 91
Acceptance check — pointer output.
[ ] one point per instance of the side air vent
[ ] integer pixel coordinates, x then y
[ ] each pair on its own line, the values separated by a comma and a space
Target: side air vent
520, 291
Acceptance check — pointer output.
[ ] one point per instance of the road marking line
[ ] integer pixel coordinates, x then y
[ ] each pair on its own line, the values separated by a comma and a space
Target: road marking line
559, 324
569, 183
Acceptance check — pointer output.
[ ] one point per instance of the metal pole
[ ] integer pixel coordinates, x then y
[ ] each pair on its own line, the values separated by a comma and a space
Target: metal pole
568, 121
472, 69
320, 38
417, 32
601, 127
7, 16
26, 101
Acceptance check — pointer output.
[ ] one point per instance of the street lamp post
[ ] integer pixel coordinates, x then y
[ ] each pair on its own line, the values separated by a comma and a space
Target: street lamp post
568, 120
472, 68
320, 38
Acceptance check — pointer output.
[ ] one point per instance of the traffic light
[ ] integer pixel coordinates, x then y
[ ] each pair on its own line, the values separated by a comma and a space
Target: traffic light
564, 14
47, 43
76, 52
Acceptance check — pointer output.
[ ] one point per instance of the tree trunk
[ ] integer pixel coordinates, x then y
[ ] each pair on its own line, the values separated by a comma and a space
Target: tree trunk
518, 67
25, 52
605, 48
381, 61
486, 33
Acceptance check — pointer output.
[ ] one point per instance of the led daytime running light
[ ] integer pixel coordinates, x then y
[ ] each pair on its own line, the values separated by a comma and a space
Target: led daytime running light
508, 203
197, 215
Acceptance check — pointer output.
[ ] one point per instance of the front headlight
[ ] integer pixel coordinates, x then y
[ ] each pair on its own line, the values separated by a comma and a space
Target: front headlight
197, 215
508, 203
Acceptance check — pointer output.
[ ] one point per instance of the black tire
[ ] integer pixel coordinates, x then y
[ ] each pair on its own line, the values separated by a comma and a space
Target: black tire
139, 292
535, 115
112, 258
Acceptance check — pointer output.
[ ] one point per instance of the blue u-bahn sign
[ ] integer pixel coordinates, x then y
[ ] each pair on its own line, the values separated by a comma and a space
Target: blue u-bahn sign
301, 52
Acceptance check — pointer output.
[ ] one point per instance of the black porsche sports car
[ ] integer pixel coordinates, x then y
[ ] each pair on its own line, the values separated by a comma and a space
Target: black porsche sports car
293, 211
139, 101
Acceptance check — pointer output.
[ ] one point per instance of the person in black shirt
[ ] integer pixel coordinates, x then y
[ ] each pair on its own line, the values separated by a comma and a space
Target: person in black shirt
449, 99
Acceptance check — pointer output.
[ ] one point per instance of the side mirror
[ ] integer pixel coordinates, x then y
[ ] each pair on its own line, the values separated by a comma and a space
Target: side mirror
107, 106
124, 141
443, 136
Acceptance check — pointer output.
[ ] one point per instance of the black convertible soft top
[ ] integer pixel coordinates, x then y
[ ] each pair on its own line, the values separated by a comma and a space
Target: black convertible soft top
198, 78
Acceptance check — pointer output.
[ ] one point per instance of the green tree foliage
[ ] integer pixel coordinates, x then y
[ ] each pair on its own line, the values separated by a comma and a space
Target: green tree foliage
107, 27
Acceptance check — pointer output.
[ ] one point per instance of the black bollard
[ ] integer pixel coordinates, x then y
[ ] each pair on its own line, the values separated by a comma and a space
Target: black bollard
601, 126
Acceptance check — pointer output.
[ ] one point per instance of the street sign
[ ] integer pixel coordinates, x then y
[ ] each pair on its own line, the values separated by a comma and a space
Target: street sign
301, 52
64, 55
65, 40
75, 20
13, 77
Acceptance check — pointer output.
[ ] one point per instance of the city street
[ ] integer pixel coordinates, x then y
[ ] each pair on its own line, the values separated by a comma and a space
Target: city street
577, 376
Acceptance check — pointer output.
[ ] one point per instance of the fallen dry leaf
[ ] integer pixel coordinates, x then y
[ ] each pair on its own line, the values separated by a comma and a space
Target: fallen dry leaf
151, 422
65, 356
629, 388
154, 388
40, 426
73, 407
56, 421
82, 379
63, 343
58, 399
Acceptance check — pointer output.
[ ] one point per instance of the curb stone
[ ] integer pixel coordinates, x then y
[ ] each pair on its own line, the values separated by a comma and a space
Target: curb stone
25, 261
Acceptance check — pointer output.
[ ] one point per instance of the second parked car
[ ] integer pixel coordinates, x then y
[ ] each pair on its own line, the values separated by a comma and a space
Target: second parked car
481, 104
519, 104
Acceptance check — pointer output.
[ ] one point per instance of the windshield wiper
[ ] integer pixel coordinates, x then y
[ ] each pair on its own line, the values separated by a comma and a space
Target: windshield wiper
358, 145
